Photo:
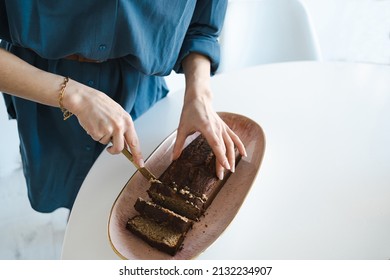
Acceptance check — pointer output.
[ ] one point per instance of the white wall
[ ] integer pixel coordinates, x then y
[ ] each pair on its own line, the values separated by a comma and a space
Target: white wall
352, 30
347, 30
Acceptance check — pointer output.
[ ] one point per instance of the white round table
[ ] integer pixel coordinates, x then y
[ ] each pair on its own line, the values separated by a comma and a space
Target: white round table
323, 190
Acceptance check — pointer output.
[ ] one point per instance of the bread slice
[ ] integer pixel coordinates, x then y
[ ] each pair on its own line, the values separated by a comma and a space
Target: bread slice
156, 235
163, 215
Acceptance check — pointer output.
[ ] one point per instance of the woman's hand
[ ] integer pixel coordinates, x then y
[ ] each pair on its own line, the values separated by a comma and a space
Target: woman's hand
198, 115
103, 119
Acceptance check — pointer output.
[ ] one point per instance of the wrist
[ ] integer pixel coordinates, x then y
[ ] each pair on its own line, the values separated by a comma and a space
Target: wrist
201, 94
74, 95
66, 113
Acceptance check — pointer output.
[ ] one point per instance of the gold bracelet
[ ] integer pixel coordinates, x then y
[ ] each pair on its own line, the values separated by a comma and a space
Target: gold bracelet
67, 114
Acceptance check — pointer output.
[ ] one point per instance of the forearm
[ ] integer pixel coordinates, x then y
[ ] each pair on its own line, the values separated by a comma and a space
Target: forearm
101, 117
21, 79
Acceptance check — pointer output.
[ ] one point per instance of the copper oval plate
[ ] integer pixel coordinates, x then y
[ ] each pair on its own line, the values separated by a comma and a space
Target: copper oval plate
217, 217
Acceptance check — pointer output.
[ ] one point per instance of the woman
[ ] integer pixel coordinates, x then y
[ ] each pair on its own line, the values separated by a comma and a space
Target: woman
100, 61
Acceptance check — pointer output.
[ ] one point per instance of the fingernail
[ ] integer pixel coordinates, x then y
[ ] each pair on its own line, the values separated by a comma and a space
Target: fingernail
141, 163
220, 175
233, 169
226, 165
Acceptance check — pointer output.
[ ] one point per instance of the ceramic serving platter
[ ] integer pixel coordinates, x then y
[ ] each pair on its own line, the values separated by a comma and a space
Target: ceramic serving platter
217, 217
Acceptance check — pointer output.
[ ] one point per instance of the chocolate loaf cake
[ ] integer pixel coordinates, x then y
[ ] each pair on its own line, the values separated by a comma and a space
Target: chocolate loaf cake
186, 189
162, 215
189, 184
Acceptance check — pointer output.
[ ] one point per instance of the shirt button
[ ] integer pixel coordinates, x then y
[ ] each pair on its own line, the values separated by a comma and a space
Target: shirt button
102, 47
90, 83
88, 148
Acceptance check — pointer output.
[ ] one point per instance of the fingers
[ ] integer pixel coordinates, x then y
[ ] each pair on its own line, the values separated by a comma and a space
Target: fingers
126, 136
119, 131
230, 151
133, 144
106, 139
224, 147
237, 142
224, 150
179, 143
222, 140
118, 143
217, 144
220, 171
231, 141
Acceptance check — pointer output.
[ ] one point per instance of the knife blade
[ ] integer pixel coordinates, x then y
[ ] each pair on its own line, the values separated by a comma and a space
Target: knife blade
143, 170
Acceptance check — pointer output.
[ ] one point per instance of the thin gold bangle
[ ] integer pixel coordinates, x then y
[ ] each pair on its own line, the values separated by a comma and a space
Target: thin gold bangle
66, 113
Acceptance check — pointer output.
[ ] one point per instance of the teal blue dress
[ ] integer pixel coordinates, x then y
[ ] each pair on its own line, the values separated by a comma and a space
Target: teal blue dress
138, 42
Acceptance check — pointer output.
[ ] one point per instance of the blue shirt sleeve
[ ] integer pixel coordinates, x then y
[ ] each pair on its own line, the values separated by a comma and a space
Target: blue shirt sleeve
203, 32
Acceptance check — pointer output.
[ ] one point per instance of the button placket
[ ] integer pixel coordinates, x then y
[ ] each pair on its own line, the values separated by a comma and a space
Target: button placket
102, 47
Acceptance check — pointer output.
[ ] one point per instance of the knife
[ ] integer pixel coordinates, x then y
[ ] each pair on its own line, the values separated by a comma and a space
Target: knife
144, 171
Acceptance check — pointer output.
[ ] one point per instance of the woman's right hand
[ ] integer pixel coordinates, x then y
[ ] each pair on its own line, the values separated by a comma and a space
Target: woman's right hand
103, 119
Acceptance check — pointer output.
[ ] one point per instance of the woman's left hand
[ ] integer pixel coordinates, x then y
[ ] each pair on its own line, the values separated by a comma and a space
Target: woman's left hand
198, 115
